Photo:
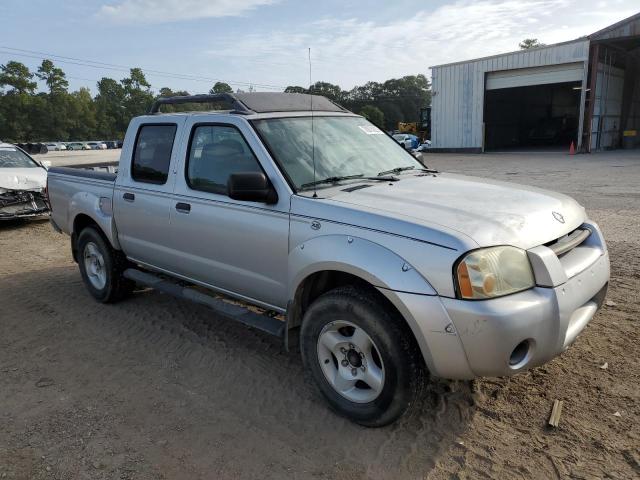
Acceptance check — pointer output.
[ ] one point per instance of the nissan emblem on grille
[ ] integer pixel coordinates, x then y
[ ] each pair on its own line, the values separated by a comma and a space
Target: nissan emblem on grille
558, 217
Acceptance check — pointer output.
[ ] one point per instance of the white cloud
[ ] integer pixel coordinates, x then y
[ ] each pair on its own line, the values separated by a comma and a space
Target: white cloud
353, 51
165, 11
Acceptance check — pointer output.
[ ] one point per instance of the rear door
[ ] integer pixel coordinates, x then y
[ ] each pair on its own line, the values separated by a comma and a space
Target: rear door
142, 196
237, 247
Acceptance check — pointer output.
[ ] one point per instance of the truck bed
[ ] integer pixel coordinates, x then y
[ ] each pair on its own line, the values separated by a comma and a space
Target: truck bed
83, 172
74, 190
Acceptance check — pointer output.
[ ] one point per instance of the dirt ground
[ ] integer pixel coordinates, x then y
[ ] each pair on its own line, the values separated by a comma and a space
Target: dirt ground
158, 388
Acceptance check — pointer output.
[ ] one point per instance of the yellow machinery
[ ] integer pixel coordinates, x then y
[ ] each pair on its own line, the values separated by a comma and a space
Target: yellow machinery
408, 127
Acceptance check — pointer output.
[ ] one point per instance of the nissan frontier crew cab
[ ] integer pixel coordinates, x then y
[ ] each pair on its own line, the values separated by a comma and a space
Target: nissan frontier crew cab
385, 271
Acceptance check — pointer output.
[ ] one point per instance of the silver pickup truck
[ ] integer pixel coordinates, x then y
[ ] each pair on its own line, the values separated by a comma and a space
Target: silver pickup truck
386, 272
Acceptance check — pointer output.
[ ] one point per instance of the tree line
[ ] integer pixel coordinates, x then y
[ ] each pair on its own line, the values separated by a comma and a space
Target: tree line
56, 114
384, 104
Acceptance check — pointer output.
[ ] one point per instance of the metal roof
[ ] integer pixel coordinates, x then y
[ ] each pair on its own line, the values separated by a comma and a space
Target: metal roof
628, 27
514, 52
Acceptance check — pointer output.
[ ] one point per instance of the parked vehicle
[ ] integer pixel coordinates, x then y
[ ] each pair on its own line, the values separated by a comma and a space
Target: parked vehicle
33, 148
111, 144
77, 146
22, 182
407, 140
97, 145
383, 269
423, 147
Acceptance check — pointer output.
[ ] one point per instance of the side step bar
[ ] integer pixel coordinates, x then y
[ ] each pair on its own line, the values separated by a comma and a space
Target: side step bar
258, 321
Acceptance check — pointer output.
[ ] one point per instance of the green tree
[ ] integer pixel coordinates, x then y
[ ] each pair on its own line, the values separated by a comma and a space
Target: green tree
528, 43
399, 99
373, 114
137, 94
14, 110
53, 76
111, 119
221, 87
167, 92
17, 76
368, 92
329, 90
295, 89
82, 111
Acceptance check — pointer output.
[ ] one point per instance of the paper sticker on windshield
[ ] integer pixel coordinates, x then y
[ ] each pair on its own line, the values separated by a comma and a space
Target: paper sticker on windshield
370, 130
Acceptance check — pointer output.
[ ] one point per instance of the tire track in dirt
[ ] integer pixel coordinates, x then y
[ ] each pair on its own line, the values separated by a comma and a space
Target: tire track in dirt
235, 370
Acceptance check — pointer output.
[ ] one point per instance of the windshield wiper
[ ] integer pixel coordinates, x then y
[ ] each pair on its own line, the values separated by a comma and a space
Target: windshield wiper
334, 179
396, 170
404, 169
379, 178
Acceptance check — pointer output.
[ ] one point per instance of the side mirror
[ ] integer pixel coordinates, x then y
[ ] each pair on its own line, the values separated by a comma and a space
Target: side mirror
251, 187
46, 164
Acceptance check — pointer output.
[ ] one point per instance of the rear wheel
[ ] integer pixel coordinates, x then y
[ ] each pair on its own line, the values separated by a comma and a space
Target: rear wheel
102, 267
362, 356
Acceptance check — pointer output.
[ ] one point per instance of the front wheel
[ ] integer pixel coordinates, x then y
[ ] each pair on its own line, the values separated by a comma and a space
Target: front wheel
362, 356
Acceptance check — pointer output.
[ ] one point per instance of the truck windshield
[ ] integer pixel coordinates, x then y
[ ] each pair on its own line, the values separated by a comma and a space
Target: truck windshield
344, 146
13, 158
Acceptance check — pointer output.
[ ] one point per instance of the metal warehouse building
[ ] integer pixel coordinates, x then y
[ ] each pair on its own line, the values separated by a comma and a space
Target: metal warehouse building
586, 91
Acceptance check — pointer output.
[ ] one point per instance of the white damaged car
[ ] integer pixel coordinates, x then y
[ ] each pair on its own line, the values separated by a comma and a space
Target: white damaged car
22, 184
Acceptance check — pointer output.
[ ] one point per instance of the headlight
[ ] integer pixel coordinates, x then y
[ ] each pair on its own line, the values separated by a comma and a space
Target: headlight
493, 272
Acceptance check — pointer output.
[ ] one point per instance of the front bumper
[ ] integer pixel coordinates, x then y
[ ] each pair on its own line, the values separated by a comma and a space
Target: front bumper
463, 339
547, 320
22, 204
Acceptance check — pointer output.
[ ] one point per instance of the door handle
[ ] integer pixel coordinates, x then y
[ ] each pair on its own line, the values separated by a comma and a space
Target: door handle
129, 197
183, 207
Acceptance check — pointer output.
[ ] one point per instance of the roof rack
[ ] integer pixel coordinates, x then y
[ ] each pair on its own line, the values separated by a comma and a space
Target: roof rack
236, 105
257, 102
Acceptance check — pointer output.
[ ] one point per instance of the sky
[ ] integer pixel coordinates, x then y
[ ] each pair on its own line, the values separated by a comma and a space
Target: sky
191, 44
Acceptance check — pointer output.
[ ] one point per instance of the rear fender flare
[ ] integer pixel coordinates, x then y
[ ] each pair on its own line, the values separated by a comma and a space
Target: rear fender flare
100, 211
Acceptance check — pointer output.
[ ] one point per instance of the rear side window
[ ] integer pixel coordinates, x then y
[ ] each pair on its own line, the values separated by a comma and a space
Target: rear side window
152, 153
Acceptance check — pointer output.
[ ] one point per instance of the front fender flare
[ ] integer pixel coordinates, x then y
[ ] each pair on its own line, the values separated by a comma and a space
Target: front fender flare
370, 261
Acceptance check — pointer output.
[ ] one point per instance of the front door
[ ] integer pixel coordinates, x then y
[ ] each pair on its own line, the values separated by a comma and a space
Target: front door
237, 247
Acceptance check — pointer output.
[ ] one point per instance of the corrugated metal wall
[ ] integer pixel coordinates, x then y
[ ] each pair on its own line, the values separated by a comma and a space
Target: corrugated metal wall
607, 111
458, 90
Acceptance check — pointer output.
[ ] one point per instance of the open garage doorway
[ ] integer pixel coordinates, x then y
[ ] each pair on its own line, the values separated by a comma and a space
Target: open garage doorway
534, 117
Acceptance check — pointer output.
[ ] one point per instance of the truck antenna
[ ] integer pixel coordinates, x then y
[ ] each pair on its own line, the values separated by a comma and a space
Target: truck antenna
313, 139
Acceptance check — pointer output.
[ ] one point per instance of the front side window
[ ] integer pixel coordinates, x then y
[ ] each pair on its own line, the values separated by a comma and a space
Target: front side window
340, 146
215, 153
152, 153
11, 157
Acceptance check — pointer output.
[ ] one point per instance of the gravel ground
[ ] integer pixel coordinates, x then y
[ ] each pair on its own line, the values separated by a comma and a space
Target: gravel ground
158, 388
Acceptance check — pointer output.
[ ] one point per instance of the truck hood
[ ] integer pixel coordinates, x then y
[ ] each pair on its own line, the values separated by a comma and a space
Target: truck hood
487, 211
23, 178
